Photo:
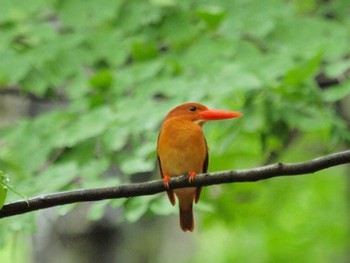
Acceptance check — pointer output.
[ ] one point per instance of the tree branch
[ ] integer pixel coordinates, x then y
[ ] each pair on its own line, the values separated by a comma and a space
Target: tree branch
153, 187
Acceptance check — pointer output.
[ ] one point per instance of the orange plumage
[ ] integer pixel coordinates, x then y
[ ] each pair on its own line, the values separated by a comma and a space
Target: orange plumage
182, 150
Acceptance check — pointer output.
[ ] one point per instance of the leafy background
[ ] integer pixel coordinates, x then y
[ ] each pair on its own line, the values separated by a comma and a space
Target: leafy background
84, 86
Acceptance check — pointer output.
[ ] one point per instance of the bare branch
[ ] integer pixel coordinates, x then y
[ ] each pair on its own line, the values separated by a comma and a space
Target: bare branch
153, 187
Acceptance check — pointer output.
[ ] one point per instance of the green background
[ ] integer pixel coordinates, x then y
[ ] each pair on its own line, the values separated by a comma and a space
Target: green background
84, 86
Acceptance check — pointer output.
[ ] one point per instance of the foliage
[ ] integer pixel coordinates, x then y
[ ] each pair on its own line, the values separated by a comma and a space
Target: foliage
3, 189
121, 65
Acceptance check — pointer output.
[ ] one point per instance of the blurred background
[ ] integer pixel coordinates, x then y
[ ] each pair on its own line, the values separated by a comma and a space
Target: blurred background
84, 86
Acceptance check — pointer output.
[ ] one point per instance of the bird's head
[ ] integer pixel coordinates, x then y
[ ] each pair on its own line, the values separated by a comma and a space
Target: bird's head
199, 113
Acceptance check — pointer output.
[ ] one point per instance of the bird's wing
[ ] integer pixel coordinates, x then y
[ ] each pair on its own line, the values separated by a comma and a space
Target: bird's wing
170, 193
206, 161
205, 169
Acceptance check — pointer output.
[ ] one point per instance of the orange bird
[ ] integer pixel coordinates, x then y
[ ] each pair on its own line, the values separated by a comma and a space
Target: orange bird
182, 150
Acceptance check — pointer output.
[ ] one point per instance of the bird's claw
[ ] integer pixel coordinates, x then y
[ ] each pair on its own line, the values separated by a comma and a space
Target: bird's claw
191, 176
166, 181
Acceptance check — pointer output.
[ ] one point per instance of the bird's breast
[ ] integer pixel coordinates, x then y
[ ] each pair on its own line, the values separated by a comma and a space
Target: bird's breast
181, 148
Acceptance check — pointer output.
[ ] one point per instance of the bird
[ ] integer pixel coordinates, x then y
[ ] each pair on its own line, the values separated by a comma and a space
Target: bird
182, 150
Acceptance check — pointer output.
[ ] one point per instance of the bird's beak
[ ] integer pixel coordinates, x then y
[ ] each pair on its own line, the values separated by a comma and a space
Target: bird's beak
209, 115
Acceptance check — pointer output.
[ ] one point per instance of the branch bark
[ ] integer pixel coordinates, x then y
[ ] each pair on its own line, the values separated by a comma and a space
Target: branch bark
154, 187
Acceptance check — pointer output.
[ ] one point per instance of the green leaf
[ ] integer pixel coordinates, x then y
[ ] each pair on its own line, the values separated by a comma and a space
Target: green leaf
211, 15
4, 186
94, 170
90, 13
58, 177
136, 164
33, 83
336, 93
306, 6
135, 208
132, 16
162, 206
337, 69
3, 189
138, 72
143, 50
178, 30
115, 138
304, 71
108, 46
140, 161
77, 87
86, 126
3, 195
102, 80
13, 68
97, 210
164, 3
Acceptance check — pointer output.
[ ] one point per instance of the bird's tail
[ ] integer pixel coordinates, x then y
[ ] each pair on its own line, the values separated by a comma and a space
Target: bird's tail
186, 219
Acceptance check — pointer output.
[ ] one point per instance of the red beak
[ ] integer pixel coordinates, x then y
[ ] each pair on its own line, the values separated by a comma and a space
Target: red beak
209, 115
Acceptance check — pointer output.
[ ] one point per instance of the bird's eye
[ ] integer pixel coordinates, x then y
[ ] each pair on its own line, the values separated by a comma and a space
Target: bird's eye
193, 108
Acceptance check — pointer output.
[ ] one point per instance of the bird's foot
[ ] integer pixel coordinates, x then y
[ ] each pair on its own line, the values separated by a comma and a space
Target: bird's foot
166, 181
191, 176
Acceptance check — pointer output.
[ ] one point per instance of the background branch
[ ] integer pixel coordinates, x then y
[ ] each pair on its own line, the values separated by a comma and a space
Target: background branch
153, 187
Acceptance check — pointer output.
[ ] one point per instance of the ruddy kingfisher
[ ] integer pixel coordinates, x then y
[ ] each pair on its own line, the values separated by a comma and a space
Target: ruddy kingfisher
182, 150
